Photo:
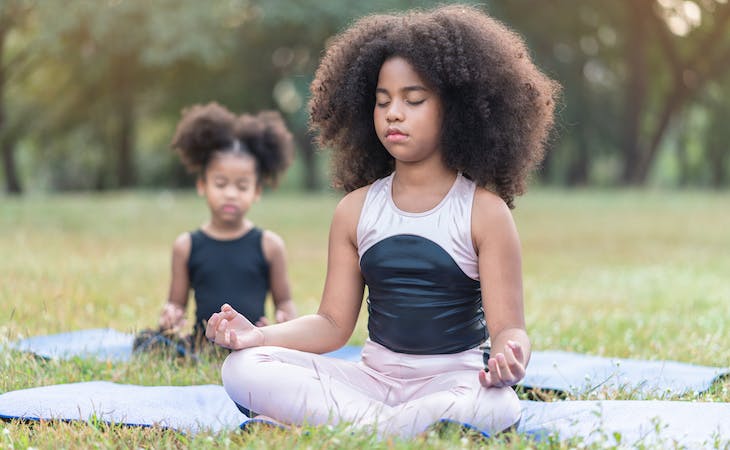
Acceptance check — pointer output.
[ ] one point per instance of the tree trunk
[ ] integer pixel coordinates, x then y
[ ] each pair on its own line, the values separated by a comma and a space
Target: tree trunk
718, 170
125, 143
311, 172
646, 160
636, 92
579, 166
683, 162
12, 180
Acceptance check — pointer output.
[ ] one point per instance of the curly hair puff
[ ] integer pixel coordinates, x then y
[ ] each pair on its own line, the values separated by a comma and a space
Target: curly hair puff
498, 106
206, 130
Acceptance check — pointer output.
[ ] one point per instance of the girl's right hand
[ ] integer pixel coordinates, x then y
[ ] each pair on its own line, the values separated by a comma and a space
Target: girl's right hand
232, 330
172, 317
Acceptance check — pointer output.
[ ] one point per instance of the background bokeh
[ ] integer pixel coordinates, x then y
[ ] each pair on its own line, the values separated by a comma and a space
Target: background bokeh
90, 90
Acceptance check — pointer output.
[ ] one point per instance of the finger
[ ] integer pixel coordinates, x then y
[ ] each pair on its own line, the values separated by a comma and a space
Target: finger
517, 350
485, 379
229, 314
222, 325
262, 322
505, 374
221, 336
212, 327
226, 342
280, 316
516, 368
227, 307
233, 342
494, 375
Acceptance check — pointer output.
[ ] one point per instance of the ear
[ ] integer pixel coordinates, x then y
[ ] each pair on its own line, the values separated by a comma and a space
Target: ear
200, 185
259, 190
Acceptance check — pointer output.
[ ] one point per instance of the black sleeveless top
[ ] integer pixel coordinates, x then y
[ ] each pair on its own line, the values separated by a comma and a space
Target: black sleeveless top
422, 272
231, 271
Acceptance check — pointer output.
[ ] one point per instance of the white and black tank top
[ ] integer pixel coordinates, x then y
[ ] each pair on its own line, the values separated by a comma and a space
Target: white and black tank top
421, 271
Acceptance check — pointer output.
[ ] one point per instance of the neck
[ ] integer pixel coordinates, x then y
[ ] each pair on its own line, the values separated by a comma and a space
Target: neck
423, 175
226, 230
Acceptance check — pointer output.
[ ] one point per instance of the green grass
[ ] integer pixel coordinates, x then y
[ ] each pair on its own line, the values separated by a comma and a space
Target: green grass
639, 274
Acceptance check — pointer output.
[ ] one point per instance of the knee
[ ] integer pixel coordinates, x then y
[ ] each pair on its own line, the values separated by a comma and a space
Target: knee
511, 410
499, 409
237, 365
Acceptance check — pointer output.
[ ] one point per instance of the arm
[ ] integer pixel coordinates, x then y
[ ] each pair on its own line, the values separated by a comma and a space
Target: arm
332, 325
500, 272
275, 254
172, 316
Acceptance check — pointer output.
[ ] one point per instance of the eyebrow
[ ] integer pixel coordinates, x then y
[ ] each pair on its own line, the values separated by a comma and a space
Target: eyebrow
415, 88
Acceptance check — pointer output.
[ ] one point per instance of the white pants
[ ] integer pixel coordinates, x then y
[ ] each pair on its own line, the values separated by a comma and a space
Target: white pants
386, 392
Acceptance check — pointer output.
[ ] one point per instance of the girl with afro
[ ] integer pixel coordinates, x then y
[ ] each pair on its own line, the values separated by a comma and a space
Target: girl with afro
229, 259
435, 119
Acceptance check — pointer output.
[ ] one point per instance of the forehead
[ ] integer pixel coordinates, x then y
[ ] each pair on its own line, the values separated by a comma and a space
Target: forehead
397, 72
231, 164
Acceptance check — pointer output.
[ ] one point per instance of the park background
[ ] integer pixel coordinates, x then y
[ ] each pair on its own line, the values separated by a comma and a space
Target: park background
90, 91
624, 229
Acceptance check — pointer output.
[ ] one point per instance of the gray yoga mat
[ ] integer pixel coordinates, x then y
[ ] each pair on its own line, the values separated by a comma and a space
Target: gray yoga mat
555, 370
192, 409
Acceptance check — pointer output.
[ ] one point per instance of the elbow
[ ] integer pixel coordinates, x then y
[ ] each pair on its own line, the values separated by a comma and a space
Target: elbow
336, 336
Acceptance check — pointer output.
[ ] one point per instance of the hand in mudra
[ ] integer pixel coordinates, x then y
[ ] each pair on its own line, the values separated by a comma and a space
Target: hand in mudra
230, 329
505, 369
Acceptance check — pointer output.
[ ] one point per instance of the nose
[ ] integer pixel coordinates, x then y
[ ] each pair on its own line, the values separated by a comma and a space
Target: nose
394, 112
231, 191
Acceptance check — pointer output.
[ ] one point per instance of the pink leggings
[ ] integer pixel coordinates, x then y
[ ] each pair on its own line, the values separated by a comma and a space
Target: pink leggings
386, 392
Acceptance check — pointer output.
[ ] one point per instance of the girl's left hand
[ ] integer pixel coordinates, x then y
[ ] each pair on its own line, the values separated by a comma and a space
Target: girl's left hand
505, 369
230, 329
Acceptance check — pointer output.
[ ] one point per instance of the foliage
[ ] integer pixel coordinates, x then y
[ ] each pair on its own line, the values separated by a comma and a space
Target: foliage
93, 90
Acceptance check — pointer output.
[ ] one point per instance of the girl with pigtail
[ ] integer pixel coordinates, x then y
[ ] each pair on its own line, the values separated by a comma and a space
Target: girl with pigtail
229, 259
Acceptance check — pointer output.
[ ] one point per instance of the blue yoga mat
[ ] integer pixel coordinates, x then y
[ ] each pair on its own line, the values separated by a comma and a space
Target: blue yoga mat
579, 374
207, 407
631, 423
184, 408
100, 343
108, 344
561, 371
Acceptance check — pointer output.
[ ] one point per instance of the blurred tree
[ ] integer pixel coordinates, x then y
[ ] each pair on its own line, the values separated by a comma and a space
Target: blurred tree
695, 49
278, 43
13, 16
90, 91
628, 69
717, 135
114, 54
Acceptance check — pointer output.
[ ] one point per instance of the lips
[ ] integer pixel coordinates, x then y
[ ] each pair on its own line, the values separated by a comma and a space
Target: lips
395, 135
229, 209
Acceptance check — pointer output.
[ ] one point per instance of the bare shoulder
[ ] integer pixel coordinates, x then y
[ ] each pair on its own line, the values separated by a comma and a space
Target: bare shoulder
182, 244
490, 216
272, 244
272, 239
350, 206
487, 204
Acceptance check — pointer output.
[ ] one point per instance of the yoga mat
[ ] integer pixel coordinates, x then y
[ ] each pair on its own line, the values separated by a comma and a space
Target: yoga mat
555, 370
207, 407
184, 408
100, 343
579, 374
630, 423
108, 344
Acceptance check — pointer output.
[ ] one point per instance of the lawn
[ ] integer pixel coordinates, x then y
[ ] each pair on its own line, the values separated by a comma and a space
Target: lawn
640, 274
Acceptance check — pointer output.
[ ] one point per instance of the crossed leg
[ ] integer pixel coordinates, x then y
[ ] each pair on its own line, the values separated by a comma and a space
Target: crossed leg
303, 388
